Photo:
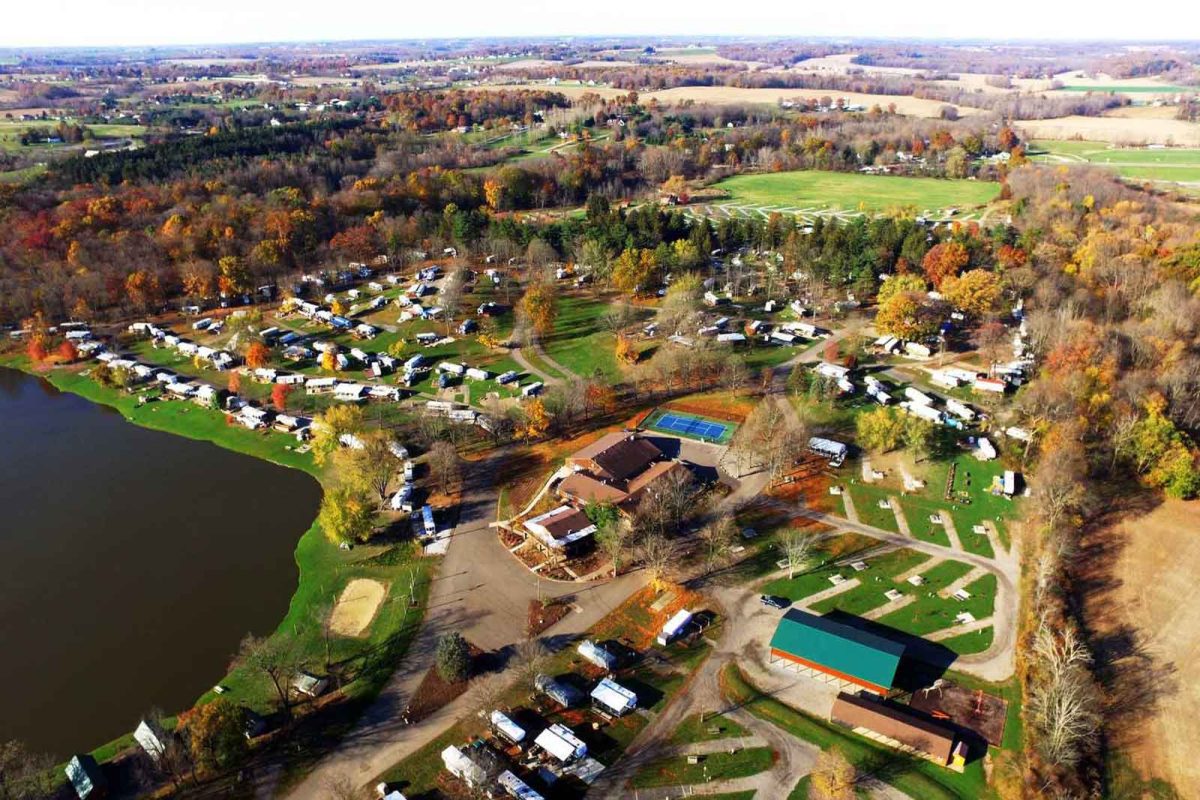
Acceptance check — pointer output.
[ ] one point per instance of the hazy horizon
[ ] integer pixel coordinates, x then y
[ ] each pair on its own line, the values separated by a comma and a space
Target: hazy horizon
142, 23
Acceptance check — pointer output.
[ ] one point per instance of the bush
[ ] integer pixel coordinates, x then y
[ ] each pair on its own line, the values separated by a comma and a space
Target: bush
453, 657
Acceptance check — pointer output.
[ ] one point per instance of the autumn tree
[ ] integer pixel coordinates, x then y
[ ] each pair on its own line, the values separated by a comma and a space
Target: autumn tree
216, 734
945, 260
975, 293
279, 396
347, 515
905, 316
25, 775
904, 283
329, 427
233, 276
798, 547
371, 466
626, 351
67, 352
679, 312
257, 355
634, 270
535, 421
539, 304
833, 777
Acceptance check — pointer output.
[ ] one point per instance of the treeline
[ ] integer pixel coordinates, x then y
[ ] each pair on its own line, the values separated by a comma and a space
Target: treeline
197, 153
439, 111
1114, 319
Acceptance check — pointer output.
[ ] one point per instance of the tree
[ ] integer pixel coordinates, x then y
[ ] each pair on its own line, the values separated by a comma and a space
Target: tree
347, 515
67, 352
634, 270
905, 316
216, 734
904, 283
681, 304
276, 658
257, 355
718, 536
25, 775
627, 352
943, 261
975, 293
233, 276
540, 305
328, 361
453, 657
536, 422
658, 553
329, 427
1064, 703
833, 777
234, 384
612, 533
798, 547
371, 466
880, 430
529, 661
443, 465
279, 396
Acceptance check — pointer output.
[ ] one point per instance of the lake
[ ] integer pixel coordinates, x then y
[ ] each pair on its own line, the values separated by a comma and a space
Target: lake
132, 562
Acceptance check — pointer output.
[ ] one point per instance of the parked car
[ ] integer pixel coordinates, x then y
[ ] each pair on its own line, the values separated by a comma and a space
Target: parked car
771, 601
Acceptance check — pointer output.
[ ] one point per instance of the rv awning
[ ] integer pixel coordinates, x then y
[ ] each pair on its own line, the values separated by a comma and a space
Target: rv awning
511, 730
614, 696
561, 743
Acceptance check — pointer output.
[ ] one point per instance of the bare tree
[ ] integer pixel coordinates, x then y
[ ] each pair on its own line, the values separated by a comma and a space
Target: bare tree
342, 787
797, 547
1064, 702
443, 464
833, 777
718, 537
276, 658
658, 553
24, 775
485, 693
529, 660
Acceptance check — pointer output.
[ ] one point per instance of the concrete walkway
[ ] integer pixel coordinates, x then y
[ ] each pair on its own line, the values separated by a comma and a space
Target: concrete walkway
520, 358
901, 520
951, 530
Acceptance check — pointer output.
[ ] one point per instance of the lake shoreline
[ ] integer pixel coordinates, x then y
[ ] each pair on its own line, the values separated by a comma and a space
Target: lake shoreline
321, 566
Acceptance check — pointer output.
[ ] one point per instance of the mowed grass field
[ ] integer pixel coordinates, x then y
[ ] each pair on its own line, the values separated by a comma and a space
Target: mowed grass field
852, 191
1179, 164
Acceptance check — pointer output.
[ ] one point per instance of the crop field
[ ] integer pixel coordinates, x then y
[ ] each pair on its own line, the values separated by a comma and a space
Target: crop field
812, 193
1139, 163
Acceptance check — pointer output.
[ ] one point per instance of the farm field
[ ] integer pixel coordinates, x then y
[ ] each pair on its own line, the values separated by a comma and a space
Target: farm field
1152, 578
1120, 130
1175, 164
854, 192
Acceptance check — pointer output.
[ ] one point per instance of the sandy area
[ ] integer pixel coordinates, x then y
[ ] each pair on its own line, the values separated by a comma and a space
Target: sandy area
1135, 130
1157, 570
356, 607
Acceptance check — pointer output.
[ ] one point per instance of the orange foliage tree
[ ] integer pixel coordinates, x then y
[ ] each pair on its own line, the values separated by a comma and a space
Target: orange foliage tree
257, 354
279, 396
945, 260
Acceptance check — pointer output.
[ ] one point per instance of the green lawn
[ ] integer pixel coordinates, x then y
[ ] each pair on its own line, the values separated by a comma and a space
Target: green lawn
915, 777
973, 642
693, 730
1180, 164
866, 502
854, 191
580, 342
722, 766
816, 579
928, 614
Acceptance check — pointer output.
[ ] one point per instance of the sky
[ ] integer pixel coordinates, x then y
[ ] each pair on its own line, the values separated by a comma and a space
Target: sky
56, 23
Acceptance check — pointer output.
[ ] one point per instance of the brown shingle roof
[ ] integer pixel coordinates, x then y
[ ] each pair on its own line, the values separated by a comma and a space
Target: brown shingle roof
618, 456
894, 722
586, 489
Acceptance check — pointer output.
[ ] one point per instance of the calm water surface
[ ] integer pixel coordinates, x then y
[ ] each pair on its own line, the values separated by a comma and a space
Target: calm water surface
131, 564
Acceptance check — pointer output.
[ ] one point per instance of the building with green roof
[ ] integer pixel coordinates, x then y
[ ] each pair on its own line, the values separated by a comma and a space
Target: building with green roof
843, 652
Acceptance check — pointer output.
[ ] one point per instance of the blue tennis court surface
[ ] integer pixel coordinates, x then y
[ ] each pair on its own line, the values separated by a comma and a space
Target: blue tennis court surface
690, 426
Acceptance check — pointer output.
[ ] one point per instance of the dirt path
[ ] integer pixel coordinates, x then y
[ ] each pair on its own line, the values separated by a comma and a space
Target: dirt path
544, 356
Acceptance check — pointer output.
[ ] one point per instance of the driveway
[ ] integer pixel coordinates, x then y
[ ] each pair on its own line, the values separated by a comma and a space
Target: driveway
483, 592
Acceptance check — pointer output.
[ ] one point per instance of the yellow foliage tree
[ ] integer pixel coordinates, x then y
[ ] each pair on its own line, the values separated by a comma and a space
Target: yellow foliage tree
536, 422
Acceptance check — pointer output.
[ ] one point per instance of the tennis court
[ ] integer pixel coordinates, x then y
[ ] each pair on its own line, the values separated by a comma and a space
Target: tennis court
691, 426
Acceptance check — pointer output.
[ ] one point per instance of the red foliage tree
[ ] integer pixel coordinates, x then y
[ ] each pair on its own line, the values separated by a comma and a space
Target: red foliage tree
279, 396
68, 352
36, 350
235, 383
